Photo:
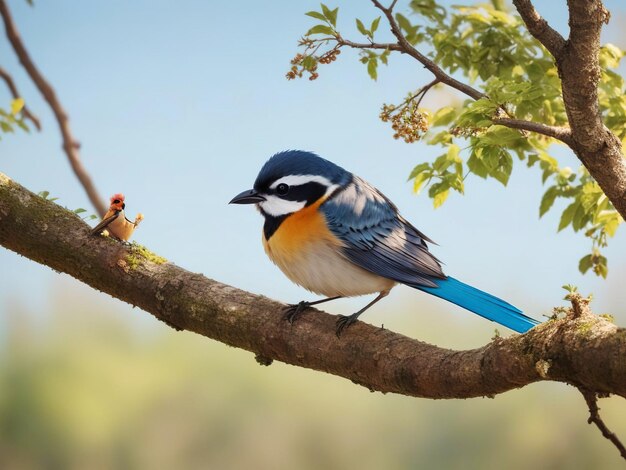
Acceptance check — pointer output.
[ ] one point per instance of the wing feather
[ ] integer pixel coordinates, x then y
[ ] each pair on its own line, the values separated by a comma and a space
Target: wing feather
104, 223
377, 239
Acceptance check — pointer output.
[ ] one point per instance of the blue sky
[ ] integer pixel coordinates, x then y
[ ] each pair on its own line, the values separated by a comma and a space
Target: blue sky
178, 104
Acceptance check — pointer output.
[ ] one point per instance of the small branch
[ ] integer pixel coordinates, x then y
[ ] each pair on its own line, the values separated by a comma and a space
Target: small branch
70, 145
405, 47
424, 90
13, 89
594, 417
372, 45
564, 134
539, 28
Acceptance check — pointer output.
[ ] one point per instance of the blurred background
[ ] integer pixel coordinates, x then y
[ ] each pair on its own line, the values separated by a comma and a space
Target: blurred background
177, 105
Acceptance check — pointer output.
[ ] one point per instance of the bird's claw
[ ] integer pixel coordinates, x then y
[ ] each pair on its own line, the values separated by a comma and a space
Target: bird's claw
343, 322
293, 311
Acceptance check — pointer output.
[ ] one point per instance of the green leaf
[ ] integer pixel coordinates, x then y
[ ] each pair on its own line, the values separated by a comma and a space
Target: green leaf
570, 288
80, 210
439, 193
453, 153
585, 263
332, 16
309, 62
476, 165
372, 66
320, 29
419, 181
441, 163
374, 25
383, 57
315, 14
361, 27
403, 22
422, 167
580, 218
22, 125
440, 198
43, 194
567, 215
443, 137
547, 200
444, 116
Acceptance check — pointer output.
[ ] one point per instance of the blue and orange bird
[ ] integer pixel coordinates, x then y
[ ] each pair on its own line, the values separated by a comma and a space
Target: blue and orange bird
336, 235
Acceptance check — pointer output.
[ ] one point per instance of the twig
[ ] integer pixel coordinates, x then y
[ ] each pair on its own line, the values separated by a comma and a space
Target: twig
70, 145
594, 417
13, 89
422, 92
372, 45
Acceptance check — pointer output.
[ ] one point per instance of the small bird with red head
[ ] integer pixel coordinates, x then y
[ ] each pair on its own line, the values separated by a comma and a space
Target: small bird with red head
115, 221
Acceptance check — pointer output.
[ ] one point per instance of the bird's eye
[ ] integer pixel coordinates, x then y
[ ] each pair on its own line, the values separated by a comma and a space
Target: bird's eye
117, 201
282, 189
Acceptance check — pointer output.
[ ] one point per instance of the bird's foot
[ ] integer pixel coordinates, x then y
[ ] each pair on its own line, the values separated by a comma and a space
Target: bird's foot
343, 322
293, 311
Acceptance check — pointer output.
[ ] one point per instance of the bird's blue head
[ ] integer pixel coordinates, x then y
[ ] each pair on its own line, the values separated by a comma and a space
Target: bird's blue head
292, 180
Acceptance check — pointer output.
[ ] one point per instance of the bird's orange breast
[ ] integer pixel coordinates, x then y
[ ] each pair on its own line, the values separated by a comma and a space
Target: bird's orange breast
298, 234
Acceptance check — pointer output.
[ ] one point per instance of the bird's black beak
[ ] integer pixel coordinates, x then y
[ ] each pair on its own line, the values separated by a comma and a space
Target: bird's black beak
123, 205
249, 196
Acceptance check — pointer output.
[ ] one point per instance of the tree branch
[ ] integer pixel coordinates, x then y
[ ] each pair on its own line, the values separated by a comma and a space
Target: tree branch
564, 134
70, 145
540, 28
594, 417
371, 45
13, 89
583, 349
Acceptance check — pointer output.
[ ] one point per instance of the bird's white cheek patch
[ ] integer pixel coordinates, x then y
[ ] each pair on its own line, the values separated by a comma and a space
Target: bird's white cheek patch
276, 206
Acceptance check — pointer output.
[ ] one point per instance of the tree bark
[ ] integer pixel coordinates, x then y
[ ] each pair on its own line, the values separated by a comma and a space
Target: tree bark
577, 60
581, 349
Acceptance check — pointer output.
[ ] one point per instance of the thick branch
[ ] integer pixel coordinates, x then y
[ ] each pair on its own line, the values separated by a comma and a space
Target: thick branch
583, 350
70, 145
13, 89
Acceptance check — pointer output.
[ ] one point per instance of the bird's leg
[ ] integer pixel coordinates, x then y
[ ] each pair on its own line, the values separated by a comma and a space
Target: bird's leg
344, 321
293, 311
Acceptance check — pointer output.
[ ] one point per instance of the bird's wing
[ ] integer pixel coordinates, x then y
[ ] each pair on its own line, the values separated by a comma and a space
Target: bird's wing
378, 239
105, 222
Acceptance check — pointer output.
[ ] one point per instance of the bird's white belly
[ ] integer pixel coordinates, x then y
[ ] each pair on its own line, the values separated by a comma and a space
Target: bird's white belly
320, 268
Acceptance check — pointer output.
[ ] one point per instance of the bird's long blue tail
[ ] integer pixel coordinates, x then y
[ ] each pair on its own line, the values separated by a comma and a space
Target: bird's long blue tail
481, 303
